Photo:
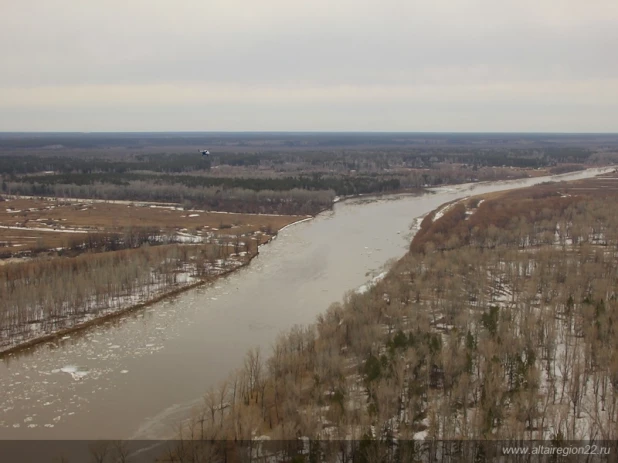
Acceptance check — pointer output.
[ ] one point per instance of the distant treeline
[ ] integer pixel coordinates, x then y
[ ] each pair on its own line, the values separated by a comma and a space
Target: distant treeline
286, 195
87, 164
290, 202
69, 162
276, 180
295, 140
341, 185
304, 193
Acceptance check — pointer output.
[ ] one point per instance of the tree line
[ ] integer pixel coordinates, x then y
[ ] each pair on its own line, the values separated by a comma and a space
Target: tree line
389, 158
238, 200
42, 296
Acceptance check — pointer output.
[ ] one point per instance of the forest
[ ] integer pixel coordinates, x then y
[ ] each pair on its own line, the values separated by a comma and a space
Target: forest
498, 325
105, 274
277, 173
34, 161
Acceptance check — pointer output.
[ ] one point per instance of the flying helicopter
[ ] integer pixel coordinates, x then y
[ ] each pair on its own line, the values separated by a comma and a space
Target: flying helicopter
205, 152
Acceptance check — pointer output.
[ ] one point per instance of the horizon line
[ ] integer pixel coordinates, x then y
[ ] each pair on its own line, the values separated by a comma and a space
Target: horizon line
377, 132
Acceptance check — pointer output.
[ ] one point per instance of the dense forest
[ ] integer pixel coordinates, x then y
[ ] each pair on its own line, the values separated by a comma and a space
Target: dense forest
34, 162
268, 193
238, 200
498, 324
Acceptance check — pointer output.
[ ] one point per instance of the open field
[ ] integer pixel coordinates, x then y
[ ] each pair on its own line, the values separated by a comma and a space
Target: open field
27, 224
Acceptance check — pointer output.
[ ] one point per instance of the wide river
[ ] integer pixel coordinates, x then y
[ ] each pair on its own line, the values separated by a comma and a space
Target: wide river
140, 375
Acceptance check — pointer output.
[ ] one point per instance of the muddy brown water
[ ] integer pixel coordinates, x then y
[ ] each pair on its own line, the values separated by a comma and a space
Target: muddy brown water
139, 375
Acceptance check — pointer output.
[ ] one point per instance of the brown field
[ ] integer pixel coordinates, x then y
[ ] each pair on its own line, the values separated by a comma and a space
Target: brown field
466, 218
601, 186
53, 223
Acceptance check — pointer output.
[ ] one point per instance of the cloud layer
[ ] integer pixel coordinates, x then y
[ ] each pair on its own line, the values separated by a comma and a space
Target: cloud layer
456, 65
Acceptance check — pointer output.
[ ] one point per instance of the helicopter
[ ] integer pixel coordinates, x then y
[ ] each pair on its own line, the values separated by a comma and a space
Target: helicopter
205, 152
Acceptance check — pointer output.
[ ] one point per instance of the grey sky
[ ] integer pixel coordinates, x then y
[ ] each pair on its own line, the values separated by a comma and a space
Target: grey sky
429, 65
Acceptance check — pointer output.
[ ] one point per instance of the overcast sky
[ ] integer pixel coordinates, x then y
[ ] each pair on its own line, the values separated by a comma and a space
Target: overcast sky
378, 65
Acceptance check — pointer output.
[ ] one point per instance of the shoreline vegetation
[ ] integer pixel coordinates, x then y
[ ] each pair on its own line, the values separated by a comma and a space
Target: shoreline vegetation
192, 275
7, 348
118, 313
499, 323
103, 253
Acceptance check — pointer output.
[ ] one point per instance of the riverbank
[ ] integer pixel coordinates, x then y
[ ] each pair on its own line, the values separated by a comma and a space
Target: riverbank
186, 287
22, 346
158, 362
97, 320
7, 350
450, 324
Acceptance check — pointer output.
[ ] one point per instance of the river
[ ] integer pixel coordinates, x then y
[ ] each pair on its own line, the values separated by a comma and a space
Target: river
139, 375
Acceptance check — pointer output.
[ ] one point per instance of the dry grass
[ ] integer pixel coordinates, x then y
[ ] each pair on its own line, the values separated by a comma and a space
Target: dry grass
84, 215
465, 218
602, 186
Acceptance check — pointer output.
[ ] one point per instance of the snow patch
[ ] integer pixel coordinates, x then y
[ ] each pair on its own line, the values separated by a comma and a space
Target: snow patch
367, 286
76, 373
